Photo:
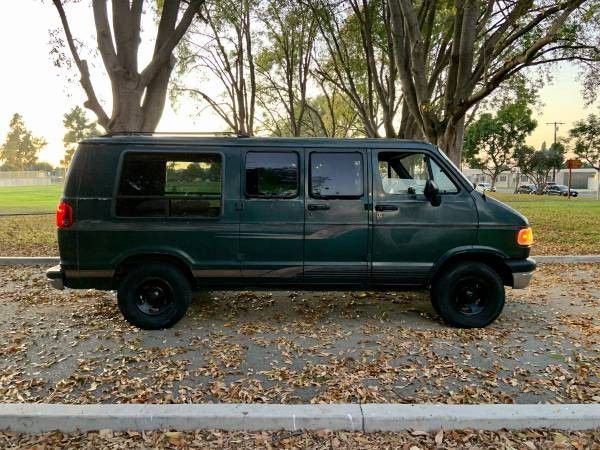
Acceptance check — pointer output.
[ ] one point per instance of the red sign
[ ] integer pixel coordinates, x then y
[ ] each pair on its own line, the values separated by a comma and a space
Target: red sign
574, 164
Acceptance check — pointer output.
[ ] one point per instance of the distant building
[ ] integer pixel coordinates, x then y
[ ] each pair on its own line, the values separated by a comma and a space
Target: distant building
26, 178
584, 179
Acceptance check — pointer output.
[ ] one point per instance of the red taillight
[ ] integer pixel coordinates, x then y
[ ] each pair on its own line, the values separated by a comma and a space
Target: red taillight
64, 215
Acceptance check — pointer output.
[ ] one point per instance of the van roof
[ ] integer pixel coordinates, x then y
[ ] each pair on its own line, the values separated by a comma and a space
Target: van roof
235, 141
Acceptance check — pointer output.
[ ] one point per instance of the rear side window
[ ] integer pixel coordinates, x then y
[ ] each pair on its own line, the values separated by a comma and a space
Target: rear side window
271, 174
336, 175
161, 185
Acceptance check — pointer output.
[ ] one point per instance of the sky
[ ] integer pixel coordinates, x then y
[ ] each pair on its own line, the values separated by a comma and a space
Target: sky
31, 85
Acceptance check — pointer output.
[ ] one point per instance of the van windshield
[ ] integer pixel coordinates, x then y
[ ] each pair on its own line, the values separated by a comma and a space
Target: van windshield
457, 170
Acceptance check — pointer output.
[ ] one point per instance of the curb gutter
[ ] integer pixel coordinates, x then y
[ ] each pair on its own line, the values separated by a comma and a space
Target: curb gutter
38, 418
29, 260
567, 259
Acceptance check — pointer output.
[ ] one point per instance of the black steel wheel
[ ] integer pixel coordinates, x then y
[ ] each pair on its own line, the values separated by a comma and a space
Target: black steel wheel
154, 296
468, 295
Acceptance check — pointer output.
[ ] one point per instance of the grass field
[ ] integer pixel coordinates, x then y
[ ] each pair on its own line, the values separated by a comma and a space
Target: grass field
560, 226
29, 199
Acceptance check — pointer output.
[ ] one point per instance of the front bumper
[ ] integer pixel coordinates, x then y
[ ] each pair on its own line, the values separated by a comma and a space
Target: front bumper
521, 279
522, 272
55, 277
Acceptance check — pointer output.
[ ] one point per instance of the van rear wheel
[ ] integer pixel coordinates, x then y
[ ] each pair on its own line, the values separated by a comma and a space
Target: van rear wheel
154, 296
468, 295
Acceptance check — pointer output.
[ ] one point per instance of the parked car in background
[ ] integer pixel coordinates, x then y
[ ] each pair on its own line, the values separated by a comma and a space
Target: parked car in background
560, 189
527, 189
485, 187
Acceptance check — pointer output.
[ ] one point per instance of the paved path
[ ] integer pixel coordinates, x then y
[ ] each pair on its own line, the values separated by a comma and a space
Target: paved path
73, 346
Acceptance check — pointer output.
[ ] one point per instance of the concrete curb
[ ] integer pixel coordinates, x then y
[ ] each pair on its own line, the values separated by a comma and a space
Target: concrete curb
52, 260
38, 418
567, 259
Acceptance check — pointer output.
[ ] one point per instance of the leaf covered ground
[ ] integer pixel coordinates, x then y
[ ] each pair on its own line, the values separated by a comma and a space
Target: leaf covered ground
474, 440
302, 347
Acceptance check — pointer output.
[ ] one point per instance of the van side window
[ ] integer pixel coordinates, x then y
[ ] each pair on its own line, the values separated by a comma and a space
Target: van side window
445, 184
271, 174
336, 175
407, 173
161, 185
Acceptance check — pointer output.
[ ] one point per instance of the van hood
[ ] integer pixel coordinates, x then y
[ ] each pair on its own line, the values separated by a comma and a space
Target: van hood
494, 212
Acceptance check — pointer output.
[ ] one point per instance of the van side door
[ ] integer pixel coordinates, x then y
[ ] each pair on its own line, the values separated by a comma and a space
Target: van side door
409, 233
272, 215
336, 217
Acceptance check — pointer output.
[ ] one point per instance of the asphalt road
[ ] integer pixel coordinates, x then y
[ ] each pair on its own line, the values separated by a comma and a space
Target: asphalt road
302, 347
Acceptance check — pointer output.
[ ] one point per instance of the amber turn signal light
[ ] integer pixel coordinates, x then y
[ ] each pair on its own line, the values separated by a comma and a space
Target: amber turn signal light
525, 237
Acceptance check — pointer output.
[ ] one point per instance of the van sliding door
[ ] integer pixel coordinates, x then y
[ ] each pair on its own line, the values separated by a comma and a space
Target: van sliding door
336, 217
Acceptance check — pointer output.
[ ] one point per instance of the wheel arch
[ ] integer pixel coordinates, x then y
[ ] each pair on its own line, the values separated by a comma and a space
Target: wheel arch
136, 259
492, 257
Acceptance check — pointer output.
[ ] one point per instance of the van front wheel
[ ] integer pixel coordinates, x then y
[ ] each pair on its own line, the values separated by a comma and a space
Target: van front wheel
154, 296
468, 295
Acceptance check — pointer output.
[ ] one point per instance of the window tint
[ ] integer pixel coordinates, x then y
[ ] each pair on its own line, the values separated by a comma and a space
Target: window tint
407, 173
336, 175
271, 175
155, 185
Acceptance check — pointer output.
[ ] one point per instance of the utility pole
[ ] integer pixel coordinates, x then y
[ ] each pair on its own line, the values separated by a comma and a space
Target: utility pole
555, 124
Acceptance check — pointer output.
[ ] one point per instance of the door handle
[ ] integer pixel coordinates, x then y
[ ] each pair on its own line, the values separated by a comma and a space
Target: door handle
386, 208
317, 207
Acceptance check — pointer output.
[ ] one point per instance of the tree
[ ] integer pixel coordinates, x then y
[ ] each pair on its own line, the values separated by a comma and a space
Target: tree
357, 59
491, 140
222, 45
452, 55
138, 97
535, 164
586, 134
20, 148
332, 115
284, 64
78, 128
556, 153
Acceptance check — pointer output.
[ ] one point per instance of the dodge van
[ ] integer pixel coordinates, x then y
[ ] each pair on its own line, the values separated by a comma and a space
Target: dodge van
157, 217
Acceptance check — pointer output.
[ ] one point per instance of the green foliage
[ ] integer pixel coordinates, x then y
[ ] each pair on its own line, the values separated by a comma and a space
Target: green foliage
586, 135
283, 63
537, 164
491, 141
78, 128
21, 147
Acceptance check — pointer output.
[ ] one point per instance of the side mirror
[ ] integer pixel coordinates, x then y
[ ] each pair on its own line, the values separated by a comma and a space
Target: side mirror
432, 193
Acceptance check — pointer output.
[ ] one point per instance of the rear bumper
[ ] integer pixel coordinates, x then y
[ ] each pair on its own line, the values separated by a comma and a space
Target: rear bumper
55, 277
522, 272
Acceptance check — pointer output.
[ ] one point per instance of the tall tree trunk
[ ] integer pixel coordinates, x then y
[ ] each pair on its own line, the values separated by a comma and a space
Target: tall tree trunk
451, 140
138, 97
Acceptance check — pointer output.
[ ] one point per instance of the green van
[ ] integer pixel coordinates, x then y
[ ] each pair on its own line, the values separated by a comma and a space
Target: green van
157, 217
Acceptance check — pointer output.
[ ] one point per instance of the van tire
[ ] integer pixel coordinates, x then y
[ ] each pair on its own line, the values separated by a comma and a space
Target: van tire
153, 296
468, 295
